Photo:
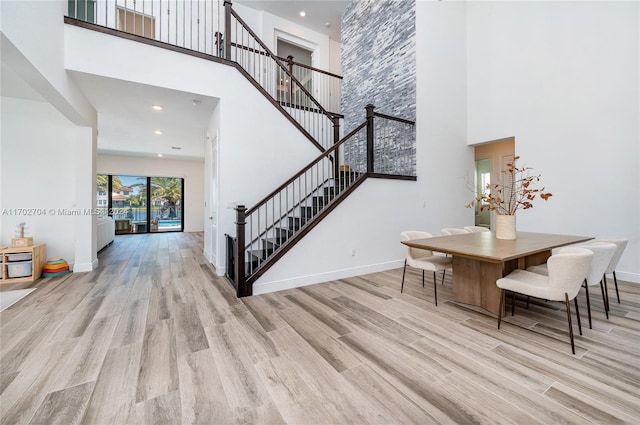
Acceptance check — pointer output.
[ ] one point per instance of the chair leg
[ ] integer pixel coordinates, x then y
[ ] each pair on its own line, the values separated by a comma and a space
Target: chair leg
568, 305
501, 307
578, 315
513, 302
435, 289
606, 293
586, 288
615, 282
423, 278
604, 300
445, 272
403, 272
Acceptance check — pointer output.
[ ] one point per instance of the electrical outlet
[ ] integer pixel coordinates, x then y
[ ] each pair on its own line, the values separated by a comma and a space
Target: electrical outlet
353, 252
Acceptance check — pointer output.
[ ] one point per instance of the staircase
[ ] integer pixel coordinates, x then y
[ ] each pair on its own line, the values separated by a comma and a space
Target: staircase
382, 146
276, 237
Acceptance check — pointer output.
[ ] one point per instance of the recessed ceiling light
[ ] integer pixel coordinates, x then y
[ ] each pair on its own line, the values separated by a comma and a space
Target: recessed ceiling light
303, 13
160, 155
327, 24
158, 132
157, 107
195, 102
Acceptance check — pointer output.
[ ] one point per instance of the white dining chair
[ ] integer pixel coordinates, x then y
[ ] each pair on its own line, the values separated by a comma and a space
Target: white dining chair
602, 254
621, 244
476, 229
450, 231
424, 259
567, 271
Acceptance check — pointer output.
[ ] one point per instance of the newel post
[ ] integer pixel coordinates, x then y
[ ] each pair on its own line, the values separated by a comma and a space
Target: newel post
370, 109
242, 289
336, 129
227, 30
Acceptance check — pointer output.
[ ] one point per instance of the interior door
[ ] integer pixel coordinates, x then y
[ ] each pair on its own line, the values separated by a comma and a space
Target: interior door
498, 153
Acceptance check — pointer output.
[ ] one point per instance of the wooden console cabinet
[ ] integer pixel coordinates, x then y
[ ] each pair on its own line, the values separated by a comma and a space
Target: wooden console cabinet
38, 260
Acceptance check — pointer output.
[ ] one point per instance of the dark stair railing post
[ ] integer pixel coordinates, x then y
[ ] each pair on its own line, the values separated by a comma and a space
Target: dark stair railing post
227, 30
336, 155
290, 88
243, 290
370, 109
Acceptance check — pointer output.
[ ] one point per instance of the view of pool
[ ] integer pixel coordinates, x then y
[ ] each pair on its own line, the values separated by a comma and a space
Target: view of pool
168, 223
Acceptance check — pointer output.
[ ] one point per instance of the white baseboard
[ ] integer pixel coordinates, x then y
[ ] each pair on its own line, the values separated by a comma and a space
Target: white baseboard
627, 277
220, 271
266, 287
295, 282
84, 267
213, 260
208, 256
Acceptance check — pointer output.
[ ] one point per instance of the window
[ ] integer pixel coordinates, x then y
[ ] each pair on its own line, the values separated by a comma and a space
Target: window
135, 22
85, 10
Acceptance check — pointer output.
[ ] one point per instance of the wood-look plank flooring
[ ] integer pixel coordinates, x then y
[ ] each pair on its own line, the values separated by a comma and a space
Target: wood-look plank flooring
153, 336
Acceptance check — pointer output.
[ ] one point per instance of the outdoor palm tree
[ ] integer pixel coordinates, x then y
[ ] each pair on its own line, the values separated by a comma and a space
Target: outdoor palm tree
102, 181
168, 190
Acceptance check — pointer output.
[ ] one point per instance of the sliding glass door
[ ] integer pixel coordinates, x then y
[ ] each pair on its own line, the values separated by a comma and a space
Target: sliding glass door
166, 204
141, 204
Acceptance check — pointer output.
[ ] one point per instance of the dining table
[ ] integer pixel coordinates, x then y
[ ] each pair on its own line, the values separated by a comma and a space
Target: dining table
479, 259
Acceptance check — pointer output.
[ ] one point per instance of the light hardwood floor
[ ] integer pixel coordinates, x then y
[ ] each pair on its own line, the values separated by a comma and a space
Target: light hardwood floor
154, 336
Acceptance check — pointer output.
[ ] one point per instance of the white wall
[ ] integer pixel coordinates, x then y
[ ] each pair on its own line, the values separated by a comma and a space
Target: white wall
192, 171
562, 77
38, 60
363, 222
335, 59
42, 171
444, 162
22, 23
212, 244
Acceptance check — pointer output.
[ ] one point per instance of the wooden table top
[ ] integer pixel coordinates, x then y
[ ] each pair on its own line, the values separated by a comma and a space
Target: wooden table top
485, 246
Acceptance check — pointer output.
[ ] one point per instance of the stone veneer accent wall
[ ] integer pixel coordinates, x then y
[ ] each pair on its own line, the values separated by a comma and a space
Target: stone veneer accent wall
379, 67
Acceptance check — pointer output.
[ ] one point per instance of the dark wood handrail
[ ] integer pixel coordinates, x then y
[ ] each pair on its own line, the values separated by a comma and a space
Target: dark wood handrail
302, 65
303, 170
303, 232
280, 63
308, 109
277, 104
291, 209
249, 49
392, 118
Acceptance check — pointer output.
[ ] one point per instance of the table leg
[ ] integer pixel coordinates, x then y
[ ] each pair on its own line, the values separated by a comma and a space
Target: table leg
474, 281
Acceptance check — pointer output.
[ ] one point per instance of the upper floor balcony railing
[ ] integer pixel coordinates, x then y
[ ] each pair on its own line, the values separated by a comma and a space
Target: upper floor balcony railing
199, 25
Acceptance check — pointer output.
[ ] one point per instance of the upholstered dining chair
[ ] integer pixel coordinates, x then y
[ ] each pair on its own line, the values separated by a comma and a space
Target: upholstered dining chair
424, 259
602, 254
567, 271
621, 244
449, 231
476, 229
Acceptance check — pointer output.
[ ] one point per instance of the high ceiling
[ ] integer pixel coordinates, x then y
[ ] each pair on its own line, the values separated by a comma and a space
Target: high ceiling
318, 13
